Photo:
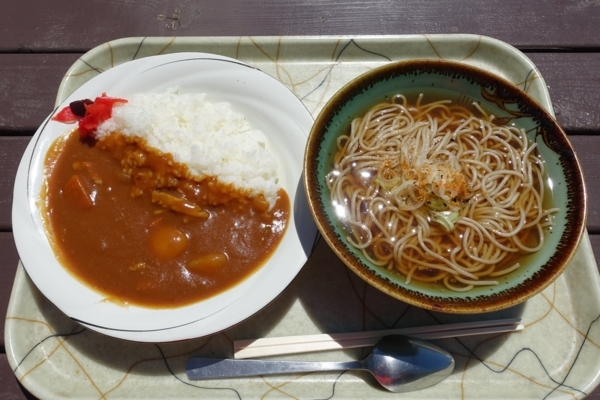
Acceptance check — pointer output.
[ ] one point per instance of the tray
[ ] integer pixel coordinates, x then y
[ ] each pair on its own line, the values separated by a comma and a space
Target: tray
556, 356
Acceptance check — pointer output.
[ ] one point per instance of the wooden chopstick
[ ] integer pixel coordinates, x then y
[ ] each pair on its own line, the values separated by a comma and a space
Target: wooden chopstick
254, 348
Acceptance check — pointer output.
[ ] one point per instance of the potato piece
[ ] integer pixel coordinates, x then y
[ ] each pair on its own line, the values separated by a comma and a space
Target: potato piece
207, 262
77, 192
167, 242
260, 204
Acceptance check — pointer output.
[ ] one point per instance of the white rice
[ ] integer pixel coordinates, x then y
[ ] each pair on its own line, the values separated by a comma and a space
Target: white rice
210, 138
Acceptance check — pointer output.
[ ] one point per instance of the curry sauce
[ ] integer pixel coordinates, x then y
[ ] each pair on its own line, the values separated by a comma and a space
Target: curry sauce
138, 227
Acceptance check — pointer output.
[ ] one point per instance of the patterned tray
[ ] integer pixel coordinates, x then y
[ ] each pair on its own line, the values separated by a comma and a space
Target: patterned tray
556, 356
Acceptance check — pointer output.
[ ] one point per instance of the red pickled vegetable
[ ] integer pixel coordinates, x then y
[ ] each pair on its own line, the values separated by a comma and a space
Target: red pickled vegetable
96, 113
78, 106
89, 113
65, 115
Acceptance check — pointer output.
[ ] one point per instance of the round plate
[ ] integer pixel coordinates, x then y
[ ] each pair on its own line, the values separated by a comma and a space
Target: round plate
267, 104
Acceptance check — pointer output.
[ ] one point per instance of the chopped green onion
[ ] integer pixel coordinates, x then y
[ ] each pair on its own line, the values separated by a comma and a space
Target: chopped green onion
446, 219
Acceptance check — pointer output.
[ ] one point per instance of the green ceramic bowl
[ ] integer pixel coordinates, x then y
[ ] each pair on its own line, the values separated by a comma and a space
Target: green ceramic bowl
509, 104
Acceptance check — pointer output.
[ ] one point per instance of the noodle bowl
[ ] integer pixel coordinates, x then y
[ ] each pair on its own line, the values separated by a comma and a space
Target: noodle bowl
440, 192
470, 204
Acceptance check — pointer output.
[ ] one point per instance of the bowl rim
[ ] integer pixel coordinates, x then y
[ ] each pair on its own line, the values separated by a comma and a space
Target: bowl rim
548, 272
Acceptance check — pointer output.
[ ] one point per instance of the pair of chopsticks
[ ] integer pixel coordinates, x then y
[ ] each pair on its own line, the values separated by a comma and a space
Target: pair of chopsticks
253, 348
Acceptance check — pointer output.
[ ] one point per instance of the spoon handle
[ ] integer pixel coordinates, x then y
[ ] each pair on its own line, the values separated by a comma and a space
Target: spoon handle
213, 368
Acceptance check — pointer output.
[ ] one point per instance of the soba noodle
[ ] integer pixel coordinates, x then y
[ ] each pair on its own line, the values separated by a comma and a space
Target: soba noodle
439, 194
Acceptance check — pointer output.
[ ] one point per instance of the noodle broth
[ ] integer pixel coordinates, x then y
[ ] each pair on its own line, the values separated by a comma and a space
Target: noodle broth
437, 190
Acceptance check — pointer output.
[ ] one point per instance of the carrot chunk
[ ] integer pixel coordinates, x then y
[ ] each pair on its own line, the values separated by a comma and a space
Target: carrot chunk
77, 192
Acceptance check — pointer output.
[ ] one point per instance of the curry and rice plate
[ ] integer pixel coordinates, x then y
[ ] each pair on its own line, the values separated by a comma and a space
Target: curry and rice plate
172, 200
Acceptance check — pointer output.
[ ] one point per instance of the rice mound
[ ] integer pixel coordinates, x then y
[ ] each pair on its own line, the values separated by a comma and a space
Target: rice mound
210, 138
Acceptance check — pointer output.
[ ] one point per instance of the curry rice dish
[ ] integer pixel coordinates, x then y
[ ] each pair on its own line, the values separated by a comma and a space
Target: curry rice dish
138, 225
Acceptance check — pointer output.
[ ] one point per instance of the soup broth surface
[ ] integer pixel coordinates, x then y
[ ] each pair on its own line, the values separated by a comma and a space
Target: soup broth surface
440, 191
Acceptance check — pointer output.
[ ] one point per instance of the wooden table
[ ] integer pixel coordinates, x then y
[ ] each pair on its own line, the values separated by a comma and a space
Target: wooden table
40, 40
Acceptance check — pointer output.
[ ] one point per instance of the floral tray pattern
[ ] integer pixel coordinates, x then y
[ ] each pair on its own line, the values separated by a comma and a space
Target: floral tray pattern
556, 356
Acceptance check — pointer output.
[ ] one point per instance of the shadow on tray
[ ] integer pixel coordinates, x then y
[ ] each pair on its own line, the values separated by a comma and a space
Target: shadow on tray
339, 301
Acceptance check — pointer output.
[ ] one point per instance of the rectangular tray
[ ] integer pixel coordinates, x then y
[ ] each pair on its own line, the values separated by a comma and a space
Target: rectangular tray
556, 356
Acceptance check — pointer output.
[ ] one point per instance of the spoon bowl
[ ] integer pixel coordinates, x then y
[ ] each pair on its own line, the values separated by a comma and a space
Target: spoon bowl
402, 364
398, 363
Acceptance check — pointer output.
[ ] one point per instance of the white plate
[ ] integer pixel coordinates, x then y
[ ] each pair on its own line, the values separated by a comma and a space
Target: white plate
268, 105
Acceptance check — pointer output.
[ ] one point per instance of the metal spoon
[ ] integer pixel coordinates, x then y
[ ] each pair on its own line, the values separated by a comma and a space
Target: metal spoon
399, 363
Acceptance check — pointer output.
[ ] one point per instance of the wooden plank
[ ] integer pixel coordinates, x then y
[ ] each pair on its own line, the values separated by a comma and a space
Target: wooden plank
64, 26
573, 80
11, 150
595, 395
588, 151
30, 82
10, 388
